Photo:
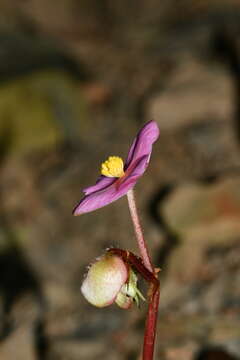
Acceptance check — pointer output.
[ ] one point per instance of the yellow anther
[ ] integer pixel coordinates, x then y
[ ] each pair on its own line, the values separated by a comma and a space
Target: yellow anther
113, 167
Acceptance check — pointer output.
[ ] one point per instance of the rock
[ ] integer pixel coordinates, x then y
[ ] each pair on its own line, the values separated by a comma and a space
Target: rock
183, 352
19, 339
202, 273
73, 350
196, 205
19, 346
195, 113
195, 92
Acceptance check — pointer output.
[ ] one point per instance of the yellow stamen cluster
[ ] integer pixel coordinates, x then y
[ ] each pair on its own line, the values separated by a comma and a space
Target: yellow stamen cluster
113, 167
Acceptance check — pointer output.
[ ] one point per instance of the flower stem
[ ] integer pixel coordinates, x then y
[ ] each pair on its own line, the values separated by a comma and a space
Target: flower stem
138, 231
151, 321
150, 326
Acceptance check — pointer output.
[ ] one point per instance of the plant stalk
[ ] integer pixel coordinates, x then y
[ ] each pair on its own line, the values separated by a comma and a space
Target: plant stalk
138, 231
150, 326
151, 321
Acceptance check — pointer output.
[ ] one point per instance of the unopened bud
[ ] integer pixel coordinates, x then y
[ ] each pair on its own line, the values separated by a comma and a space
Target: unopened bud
104, 280
110, 279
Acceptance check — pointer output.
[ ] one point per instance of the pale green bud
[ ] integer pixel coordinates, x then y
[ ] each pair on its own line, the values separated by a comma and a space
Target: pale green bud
110, 279
104, 280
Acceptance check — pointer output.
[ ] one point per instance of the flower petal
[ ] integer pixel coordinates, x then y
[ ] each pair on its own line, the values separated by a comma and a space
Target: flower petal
101, 183
142, 144
140, 166
98, 199
136, 172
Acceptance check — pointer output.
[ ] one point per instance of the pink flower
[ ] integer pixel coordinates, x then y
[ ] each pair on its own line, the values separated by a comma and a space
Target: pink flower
118, 178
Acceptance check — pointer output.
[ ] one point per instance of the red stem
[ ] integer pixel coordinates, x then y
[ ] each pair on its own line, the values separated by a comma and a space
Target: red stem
151, 321
150, 326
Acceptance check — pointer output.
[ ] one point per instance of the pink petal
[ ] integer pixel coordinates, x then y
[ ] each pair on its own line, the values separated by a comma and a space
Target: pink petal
101, 183
133, 175
98, 199
142, 144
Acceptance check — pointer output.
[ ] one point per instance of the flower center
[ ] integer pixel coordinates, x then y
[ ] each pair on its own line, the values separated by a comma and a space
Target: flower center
113, 167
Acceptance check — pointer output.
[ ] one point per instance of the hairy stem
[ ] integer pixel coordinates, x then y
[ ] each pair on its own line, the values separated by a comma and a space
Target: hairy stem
138, 231
151, 321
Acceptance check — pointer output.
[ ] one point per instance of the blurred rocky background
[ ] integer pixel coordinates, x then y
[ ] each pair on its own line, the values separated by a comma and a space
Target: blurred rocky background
78, 79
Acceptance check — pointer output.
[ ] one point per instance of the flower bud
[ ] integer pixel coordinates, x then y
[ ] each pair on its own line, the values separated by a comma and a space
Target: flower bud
104, 280
110, 279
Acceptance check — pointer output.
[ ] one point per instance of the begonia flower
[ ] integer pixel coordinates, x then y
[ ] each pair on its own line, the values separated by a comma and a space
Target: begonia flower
118, 178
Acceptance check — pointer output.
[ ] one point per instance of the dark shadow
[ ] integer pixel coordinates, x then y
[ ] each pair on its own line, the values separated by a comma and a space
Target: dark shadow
132, 355
225, 46
171, 239
209, 179
17, 277
214, 353
24, 53
5, 139
41, 342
